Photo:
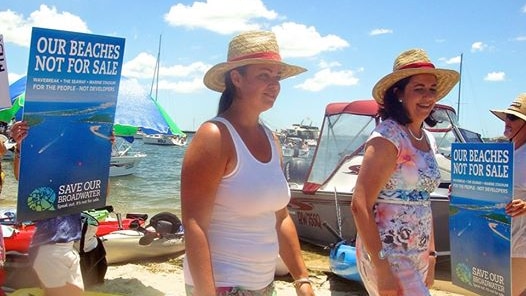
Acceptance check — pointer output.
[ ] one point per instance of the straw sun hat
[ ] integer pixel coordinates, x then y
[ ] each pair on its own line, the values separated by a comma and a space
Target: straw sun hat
252, 47
413, 62
517, 108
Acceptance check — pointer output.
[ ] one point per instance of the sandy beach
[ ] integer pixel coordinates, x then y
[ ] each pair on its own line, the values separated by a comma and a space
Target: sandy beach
164, 276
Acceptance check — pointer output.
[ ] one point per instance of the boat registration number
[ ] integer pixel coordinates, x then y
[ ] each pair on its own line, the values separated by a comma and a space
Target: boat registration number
309, 219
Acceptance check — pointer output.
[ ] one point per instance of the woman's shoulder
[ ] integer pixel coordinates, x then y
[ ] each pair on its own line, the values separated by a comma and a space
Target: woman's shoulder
389, 129
210, 136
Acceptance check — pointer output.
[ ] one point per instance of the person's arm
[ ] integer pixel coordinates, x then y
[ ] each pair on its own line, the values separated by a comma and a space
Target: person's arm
377, 166
3, 149
204, 164
18, 132
290, 252
430, 277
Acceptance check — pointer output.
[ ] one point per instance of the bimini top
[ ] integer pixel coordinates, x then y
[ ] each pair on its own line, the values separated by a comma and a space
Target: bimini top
363, 107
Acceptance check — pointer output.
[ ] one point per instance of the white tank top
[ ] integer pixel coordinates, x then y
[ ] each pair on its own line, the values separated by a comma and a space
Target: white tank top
242, 232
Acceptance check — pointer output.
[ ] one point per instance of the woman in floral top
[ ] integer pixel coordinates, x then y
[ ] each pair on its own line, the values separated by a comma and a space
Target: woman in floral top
391, 205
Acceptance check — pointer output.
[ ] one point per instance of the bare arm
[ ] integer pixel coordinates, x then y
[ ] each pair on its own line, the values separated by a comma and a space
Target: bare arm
430, 278
18, 132
378, 164
290, 250
204, 164
289, 245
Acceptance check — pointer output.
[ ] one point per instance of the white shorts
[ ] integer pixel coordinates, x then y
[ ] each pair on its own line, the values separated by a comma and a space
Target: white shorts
58, 264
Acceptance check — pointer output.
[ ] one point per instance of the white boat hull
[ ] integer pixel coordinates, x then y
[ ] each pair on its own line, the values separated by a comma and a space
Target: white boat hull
310, 212
159, 139
123, 246
125, 164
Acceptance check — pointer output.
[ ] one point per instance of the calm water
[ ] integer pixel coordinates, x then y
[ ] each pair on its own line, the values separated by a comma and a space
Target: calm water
152, 189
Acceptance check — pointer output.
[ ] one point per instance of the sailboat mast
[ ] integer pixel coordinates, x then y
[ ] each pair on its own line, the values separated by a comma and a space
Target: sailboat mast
156, 71
459, 87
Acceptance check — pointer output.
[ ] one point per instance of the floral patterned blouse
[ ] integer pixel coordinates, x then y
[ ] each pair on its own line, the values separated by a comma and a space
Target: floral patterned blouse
416, 174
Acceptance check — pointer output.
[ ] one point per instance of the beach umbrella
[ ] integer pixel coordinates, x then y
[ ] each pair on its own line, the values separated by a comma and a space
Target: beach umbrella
136, 109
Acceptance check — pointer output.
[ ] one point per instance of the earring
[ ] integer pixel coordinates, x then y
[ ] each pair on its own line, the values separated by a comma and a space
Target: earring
400, 100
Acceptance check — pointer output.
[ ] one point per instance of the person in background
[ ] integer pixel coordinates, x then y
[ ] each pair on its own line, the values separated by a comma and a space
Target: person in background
391, 207
3, 151
234, 194
515, 131
56, 262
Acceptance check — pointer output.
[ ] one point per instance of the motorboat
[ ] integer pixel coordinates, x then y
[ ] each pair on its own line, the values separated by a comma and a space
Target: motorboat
124, 162
123, 165
295, 147
164, 139
322, 188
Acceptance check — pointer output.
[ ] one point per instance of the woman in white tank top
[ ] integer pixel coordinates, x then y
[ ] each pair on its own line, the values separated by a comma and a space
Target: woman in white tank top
233, 191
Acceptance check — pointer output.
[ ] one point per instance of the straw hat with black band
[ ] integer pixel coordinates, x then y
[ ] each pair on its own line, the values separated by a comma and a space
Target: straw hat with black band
252, 47
413, 62
517, 108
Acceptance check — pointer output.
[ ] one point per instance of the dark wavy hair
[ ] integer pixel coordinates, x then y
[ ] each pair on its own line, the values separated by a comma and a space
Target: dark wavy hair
394, 109
227, 96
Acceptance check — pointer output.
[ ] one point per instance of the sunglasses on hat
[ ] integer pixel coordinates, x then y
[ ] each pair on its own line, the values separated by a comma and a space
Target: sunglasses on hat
511, 117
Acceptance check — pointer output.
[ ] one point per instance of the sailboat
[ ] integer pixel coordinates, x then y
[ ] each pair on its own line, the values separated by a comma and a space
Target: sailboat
175, 136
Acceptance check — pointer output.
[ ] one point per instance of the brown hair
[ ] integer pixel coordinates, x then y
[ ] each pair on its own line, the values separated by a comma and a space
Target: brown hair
394, 109
227, 96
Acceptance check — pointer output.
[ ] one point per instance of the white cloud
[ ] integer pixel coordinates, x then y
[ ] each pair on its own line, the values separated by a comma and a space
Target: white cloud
478, 46
380, 32
297, 40
327, 77
520, 38
143, 66
495, 76
523, 9
186, 86
230, 16
450, 61
221, 16
17, 29
194, 69
324, 64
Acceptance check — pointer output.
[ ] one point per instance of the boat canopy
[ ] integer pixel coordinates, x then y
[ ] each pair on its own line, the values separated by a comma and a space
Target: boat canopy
344, 132
361, 107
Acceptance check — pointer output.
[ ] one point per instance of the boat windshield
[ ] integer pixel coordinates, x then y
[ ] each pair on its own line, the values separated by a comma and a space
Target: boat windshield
443, 131
342, 136
447, 131
340, 148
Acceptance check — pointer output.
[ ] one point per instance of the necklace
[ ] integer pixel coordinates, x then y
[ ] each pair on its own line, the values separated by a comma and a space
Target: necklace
415, 137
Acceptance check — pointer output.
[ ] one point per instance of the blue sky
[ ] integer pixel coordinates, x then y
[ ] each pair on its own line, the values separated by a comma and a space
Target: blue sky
346, 46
